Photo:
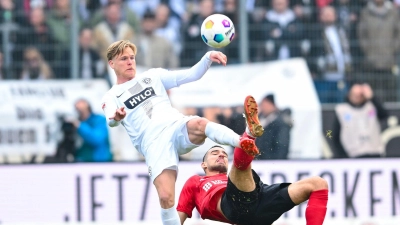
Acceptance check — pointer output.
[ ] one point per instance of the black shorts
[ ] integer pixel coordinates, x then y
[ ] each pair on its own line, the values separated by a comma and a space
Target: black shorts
264, 205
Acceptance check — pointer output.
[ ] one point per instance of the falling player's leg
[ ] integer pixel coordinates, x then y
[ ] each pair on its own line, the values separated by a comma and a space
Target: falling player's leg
315, 189
165, 185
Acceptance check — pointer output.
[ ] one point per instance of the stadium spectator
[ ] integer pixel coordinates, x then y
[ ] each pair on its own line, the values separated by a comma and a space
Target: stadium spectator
259, 31
168, 27
192, 48
26, 6
112, 28
92, 128
274, 143
331, 57
34, 66
287, 34
126, 15
35, 33
91, 66
348, 18
356, 129
59, 20
379, 36
177, 7
155, 51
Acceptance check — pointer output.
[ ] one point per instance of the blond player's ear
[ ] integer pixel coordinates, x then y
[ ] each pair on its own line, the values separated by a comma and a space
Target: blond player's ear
111, 63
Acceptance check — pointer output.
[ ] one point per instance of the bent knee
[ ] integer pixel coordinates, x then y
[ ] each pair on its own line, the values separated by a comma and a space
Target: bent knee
202, 123
166, 200
319, 183
198, 126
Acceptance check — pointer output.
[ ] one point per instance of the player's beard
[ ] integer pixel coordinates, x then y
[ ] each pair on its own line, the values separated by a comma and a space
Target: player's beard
219, 168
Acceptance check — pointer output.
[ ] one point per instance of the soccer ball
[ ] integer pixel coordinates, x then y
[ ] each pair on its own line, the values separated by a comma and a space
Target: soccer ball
217, 31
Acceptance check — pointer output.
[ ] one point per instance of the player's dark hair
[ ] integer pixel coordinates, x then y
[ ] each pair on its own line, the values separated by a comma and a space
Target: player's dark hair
215, 146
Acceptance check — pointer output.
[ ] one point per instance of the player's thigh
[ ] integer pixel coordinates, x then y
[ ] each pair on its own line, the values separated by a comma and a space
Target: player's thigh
274, 202
196, 129
160, 155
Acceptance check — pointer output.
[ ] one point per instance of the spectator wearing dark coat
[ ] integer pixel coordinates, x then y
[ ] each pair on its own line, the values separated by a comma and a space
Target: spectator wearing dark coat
274, 143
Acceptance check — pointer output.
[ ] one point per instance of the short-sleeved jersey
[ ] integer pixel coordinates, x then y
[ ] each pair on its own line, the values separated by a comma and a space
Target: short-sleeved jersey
203, 192
147, 105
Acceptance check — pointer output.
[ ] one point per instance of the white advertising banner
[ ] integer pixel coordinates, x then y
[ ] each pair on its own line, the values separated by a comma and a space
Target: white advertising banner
288, 80
360, 190
30, 111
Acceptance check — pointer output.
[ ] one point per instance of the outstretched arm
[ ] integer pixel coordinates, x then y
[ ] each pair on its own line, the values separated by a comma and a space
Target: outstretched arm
183, 216
171, 79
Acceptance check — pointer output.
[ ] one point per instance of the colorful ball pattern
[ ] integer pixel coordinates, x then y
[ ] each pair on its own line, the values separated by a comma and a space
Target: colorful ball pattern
217, 31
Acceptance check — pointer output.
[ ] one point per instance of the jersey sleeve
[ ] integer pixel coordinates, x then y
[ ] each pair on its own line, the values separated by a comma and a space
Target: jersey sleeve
109, 108
186, 201
175, 78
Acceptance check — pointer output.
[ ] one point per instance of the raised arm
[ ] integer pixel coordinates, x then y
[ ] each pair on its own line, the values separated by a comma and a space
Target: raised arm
171, 79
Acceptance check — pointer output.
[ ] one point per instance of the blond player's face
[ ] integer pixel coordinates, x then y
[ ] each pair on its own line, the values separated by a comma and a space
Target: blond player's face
124, 64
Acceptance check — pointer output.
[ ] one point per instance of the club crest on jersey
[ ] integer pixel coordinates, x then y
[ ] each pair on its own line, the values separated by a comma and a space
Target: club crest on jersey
150, 171
146, 80
140, 97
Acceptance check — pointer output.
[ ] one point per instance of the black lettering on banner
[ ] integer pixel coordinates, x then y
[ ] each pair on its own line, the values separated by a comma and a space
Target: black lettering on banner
395, 192
29, 113
78, 199
139, 98
48, 133
94, 204
18, 136
275, 175
372, 198
331, 185
146, 194
39, 92
119, 179
348, 198
300, 207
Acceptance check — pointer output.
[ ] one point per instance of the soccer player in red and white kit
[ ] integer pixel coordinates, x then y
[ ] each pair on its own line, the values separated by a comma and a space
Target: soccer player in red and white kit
242, 198
157, 130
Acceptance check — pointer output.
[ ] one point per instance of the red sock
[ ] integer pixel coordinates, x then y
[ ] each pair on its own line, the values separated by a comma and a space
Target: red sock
241, 159
246, 135
316, 207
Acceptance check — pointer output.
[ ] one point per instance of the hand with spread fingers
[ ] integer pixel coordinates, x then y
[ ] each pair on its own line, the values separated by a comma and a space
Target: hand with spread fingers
218, 57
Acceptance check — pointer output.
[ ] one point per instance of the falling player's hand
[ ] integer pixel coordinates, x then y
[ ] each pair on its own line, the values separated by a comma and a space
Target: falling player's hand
119, 114
218, 57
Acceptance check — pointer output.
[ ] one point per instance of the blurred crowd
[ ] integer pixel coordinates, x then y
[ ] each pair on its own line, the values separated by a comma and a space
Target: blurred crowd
341, 40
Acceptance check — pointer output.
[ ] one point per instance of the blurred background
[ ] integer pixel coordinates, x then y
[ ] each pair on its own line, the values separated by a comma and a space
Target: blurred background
324, 72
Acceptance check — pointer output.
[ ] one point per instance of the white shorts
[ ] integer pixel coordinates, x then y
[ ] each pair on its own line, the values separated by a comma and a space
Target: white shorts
163, 153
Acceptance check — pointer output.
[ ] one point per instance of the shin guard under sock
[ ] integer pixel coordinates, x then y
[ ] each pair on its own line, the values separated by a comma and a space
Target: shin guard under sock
241, 159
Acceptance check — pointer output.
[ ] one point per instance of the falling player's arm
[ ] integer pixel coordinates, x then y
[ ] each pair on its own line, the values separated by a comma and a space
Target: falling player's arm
186, 201
175, 78
113, 114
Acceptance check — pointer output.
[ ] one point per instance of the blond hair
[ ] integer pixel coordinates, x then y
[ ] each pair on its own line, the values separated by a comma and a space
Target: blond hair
118, 47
